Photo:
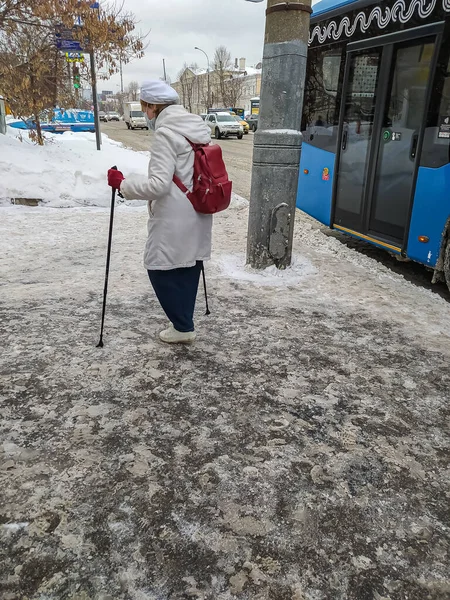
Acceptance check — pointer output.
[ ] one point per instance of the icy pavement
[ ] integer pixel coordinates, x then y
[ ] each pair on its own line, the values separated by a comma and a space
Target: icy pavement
297, 451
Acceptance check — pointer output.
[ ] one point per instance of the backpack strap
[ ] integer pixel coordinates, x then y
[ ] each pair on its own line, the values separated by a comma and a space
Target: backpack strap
177, 181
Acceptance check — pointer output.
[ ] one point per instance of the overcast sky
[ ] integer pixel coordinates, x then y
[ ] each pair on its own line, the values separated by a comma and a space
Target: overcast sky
176, 26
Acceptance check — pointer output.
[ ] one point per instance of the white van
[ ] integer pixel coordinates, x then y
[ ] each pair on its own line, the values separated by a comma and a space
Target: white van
133, 116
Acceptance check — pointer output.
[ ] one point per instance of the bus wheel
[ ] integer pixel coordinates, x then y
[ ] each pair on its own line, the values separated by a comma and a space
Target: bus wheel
447, 264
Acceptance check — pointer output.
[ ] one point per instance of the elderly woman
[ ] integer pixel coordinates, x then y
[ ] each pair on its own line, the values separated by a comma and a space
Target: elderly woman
179, 238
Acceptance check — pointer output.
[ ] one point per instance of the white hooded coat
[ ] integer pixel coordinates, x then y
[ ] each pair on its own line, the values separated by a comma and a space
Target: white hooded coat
178, 236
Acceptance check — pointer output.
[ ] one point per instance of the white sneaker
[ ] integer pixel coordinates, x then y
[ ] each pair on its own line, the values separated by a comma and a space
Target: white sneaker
172, 336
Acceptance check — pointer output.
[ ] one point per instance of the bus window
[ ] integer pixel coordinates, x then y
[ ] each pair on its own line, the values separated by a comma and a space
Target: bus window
436, 143
321, 107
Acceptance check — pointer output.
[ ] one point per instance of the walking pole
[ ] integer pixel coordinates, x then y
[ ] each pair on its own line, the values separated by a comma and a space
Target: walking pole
108, 260
208, 312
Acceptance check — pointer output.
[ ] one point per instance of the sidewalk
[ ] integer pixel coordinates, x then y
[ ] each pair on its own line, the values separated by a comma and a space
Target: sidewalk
297, 451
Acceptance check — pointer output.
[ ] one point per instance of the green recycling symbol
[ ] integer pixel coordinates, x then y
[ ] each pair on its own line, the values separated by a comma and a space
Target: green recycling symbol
387, 136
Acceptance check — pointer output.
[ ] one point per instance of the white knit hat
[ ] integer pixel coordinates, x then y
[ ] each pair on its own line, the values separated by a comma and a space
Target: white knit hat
158, 92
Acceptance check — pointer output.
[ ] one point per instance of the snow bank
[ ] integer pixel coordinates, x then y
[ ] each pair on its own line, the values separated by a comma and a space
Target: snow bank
68, 171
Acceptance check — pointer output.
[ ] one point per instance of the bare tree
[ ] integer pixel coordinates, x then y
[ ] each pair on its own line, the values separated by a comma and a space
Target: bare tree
121, 98
233, 90
13, 11
109, 29
133, 88
187, 77
34, 77
223, 67
31, 78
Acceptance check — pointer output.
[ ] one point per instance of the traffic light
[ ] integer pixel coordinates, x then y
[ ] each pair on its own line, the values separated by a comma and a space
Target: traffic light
76, 77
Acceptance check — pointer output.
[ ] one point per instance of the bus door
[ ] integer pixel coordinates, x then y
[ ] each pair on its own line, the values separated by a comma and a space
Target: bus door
382, 120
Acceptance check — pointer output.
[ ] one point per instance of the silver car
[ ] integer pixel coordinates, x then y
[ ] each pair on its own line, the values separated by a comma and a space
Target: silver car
224, 124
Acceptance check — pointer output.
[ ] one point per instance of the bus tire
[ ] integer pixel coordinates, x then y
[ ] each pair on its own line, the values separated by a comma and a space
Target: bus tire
447, 264
218, 134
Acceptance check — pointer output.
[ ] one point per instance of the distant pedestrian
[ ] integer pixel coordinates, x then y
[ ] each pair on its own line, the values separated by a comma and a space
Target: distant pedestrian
179, 238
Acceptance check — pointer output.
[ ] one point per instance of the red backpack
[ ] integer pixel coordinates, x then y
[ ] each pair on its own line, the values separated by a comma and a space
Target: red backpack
212, 188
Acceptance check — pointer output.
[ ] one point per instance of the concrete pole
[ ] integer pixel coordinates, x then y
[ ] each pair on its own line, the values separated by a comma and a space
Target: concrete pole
98, 136
277, 142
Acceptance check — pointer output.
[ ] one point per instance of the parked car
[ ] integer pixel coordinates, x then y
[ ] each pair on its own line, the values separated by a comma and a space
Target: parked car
244, 124
252, 121
133, 116
60, 121
203, 115
224, 124
113, 116
102, 116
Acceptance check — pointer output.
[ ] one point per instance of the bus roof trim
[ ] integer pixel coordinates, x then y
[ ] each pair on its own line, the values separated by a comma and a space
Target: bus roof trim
335, 7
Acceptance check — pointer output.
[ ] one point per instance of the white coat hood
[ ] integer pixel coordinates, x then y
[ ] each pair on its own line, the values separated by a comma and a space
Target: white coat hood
180, 121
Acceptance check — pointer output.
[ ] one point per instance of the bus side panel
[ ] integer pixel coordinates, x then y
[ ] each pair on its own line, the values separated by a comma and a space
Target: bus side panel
430, 213
315, 187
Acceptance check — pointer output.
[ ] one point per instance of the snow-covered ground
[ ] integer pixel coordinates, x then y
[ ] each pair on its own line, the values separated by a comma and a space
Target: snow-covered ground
298, 450
68, 171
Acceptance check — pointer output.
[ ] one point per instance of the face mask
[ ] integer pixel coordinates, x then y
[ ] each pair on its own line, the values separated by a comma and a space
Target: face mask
151, 123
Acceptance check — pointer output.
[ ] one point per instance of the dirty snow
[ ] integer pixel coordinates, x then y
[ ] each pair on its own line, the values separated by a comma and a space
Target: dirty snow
299, 450
234, 267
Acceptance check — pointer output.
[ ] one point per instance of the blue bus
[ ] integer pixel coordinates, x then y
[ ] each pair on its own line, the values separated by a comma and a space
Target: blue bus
375, 158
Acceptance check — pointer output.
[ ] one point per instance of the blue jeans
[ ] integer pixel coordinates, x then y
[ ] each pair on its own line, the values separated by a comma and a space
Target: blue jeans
176, 291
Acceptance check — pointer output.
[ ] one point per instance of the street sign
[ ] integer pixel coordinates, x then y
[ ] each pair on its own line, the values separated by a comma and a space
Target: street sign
74, 57
68, 45
65, 42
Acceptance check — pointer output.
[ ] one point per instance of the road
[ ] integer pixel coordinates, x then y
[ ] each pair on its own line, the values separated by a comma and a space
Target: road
237, 153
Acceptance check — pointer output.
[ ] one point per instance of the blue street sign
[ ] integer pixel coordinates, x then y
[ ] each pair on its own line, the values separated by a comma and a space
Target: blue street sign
65, 42
68, 45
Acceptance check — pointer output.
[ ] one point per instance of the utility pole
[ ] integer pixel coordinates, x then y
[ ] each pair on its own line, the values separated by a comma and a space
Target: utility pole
98, 135
95, 99
208, 101
277, 142
121, 77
